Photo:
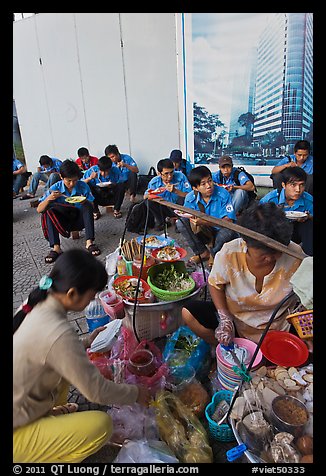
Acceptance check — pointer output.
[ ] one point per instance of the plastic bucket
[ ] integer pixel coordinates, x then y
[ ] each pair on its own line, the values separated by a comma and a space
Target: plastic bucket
94, 322
112, 304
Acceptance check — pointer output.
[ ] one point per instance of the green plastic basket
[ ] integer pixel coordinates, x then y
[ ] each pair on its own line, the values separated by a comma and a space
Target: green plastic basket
168, 295
221, 432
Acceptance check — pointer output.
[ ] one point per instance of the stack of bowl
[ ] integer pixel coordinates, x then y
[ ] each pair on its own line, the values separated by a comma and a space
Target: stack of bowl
226, 375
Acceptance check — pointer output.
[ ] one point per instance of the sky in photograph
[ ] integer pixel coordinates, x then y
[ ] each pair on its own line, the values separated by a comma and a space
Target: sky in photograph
221, 45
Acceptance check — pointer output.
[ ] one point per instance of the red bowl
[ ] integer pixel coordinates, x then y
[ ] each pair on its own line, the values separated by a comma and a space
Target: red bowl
285, 349
182, 252
142, 297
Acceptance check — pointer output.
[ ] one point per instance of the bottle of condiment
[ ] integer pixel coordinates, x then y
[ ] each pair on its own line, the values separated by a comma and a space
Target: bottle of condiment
148, 262
121, 266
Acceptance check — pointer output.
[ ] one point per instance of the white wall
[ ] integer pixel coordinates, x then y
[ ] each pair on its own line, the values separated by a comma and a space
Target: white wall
76, 85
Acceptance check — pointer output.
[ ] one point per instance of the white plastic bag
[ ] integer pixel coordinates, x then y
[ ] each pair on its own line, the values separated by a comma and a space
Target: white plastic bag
144, 451
111, 263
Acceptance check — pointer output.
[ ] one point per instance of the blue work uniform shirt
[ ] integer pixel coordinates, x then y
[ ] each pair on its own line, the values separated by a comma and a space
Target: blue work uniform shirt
16, 165
219, 205
303, 204
307, 166
123, 171
54, 168
81, 188
178, 179
219, 178
113, 175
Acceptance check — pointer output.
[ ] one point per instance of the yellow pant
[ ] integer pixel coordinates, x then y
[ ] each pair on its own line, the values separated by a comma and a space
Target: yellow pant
68, 438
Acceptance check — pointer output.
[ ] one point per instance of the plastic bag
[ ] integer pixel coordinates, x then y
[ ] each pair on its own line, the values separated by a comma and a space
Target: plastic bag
143, 451
194, 396
133, 422
125, 345
111, 262
192, 346
101, 361
181, 429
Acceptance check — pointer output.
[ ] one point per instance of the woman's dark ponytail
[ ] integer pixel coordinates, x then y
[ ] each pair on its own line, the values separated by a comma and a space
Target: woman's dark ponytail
36, 296
73, 269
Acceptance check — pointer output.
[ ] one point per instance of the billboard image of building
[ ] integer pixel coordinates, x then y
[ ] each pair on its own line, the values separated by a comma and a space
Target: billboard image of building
252, 85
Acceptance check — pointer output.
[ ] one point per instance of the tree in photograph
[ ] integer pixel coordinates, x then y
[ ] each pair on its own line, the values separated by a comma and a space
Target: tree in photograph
205, 126
272, 141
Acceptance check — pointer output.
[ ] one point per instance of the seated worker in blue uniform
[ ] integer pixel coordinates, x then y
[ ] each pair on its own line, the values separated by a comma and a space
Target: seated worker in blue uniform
203, 238
293, 197
127, 168
300, 158
19, 179
180, 164
175, 187
238, 184
48, 172
103, 180
60, 217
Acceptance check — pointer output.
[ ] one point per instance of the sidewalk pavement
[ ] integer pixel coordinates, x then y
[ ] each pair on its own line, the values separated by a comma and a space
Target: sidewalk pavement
29, 251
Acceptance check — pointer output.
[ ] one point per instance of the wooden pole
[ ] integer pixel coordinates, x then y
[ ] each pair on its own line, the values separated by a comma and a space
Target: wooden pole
233, 226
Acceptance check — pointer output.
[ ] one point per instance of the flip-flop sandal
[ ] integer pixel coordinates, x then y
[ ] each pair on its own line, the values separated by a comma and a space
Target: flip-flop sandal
117, 214
52, 257
94, 249
64, 409
96, 215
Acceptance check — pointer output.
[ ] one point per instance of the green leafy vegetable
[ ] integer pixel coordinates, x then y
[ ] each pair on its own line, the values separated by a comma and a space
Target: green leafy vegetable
170, 280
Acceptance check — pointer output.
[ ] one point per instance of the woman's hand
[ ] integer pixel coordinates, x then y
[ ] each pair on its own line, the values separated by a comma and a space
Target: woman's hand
224, 332
144, 396
87, 341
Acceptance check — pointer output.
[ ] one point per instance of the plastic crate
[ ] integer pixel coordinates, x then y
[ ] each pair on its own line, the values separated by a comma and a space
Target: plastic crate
303, 323
221, 432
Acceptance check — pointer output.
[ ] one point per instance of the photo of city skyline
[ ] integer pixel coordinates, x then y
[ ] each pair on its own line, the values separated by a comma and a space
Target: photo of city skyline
252, 84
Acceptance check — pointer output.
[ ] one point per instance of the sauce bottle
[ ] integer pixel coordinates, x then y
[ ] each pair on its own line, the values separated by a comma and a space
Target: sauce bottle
121, 266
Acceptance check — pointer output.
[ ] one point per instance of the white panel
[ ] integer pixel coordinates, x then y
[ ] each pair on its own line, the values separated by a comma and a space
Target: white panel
29, 94
57, 39
101, 69
149, 52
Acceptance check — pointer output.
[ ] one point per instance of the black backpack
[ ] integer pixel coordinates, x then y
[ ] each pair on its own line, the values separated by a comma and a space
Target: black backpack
252, 194
144, 179
136, 217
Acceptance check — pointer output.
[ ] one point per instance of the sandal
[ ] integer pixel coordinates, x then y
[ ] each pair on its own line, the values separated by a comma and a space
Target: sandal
94, 249
64, 409
96, 215
27, 196
117, 214
52, 257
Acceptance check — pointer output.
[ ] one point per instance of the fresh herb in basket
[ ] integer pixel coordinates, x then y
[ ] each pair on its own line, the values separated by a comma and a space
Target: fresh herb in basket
170, 280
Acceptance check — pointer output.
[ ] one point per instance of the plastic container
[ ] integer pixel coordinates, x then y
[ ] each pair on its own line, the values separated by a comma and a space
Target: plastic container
303, 323
221, 432
162, 294
112, 304
148, 262
96, 315
141, 363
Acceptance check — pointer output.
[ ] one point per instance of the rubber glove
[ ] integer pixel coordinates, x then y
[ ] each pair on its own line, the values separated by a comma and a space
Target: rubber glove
224, 333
